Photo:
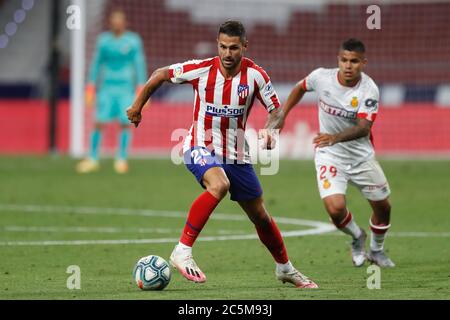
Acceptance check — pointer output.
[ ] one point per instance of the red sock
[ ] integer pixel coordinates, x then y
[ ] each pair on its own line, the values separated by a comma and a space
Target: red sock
199, 213
271, 237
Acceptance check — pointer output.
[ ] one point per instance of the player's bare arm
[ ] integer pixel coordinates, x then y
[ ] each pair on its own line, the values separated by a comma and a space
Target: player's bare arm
275, 121
294, 97
361, 129
277, 117
154, 82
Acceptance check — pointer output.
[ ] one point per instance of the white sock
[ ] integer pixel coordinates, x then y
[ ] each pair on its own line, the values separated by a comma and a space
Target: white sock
377, 241
349, 226
182, 248
285, 267
377, 236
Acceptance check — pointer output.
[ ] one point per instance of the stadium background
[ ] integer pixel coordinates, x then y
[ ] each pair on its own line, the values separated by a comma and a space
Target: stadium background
51, 217
408, 58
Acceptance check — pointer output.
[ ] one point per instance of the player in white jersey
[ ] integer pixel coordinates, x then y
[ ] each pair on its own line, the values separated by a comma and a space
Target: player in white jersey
348, 106
215, 150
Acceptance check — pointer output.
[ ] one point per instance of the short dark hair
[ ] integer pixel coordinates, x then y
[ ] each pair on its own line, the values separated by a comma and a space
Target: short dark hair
233, 28
353, 44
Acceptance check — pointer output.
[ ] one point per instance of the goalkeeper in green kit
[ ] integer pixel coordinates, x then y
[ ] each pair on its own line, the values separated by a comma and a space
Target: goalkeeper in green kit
117, 72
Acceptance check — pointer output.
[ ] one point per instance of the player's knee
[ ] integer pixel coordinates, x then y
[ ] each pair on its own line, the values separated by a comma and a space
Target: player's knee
336, 208
219, 188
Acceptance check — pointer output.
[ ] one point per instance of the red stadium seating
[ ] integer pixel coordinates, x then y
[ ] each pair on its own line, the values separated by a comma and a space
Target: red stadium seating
408, 48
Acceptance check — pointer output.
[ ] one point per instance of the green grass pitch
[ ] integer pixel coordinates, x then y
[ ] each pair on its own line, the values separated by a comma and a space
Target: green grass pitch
43, 202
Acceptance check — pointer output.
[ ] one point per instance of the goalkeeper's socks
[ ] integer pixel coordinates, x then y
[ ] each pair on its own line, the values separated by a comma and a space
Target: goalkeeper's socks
270, 236
377, 236
96, 138
349, 226
199, 213
124, 143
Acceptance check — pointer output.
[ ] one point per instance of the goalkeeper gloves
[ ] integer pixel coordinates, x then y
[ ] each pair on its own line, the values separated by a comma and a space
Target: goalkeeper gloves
90, 95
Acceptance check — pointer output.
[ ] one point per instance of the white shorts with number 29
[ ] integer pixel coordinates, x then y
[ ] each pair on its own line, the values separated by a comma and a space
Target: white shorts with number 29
367, 176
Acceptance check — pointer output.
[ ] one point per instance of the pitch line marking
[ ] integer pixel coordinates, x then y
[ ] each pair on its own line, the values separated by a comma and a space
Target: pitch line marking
317, 227
99, 229
412, 234
107, 229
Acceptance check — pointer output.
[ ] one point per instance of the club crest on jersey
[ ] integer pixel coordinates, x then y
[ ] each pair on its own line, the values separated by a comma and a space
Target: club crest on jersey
354, 103
243, 91
326, 184
178, 71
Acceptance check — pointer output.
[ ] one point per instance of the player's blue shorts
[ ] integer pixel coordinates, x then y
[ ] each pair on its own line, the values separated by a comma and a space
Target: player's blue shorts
112, 104
244, 184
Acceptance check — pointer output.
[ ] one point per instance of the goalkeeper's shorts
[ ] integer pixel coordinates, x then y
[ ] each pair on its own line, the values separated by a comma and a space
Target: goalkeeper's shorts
112, 105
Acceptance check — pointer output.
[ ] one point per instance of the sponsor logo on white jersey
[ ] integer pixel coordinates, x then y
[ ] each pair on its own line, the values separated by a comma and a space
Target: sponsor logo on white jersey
336, 111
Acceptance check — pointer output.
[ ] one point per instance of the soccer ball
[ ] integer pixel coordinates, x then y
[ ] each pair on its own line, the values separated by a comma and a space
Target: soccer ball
152, 273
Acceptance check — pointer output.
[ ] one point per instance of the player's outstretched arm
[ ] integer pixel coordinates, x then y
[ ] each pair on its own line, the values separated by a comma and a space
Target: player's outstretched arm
361, 129
277, 117
294, 97
154, 82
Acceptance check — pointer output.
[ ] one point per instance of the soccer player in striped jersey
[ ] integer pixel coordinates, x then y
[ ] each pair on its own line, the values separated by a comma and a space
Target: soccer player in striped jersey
348, 106
215, 150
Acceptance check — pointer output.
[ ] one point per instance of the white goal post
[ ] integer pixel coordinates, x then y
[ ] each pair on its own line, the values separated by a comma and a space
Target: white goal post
77, 42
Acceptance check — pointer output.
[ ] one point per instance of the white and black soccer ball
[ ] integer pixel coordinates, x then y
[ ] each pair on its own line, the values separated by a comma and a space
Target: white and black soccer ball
152, 273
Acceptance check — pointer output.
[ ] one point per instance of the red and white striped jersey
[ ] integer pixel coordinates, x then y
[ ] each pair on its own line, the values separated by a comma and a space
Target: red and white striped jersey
222, 106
